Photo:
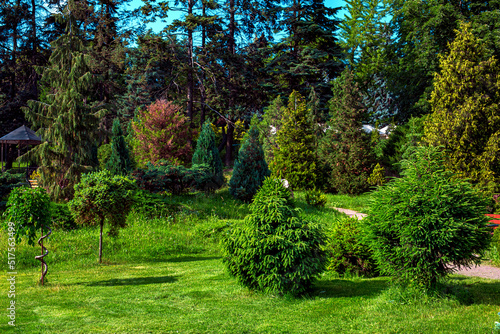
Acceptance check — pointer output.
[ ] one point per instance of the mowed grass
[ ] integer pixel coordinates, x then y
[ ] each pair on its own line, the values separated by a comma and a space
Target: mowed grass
165, 275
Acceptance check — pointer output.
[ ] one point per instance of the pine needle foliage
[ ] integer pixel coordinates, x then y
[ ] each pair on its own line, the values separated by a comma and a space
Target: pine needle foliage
295, 155
426, 223
206, 153
345, 147
162, 132
66, 117
465, 103
119, 160
275, 250
250, 169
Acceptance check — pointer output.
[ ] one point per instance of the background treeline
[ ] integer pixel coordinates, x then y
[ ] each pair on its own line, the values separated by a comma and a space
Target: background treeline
69, 69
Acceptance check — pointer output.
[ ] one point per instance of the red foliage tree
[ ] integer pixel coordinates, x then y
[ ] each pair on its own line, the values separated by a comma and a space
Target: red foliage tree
162, 132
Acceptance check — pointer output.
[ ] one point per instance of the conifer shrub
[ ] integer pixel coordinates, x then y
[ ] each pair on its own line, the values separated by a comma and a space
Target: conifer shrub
10, 180
345, 148
295, 154
206, 153
119, 160
347, 251
162, 132
275, 250
250, 168
103, 154
163, 176
61, 216
422, 225
315, 197
377, 177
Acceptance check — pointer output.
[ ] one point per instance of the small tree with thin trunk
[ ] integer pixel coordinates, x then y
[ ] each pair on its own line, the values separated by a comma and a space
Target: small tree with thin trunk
101, 197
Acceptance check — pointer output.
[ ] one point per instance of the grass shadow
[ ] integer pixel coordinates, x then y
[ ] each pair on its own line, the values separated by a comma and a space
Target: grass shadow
191, 259
482, 291
362, 287
134, 281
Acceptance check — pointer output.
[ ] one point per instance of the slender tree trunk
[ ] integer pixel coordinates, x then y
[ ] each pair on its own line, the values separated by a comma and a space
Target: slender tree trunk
229, 145
33, 48
41, 244
190, 83
100, 241
232, 50
202, 83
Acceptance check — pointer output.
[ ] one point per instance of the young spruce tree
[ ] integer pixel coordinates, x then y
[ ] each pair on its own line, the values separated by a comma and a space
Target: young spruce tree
206, 152
345, 148
295, 156
119, 160
66, 116
250, 169
465, 117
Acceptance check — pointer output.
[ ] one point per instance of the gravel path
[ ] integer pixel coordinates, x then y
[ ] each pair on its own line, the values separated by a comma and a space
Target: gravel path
483, 270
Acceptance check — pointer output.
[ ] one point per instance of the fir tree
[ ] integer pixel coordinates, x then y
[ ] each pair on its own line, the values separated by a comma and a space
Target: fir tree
66, 118
345, 148
269, 126
207, 153
119, 160
250, 169
465, 103
295, 157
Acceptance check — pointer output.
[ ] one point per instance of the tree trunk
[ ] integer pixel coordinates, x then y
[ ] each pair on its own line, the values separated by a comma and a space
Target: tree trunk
190, 80
100, 241
229, 145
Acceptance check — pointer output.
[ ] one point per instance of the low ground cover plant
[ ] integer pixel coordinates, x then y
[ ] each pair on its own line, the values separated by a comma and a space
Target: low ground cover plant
275, 250
426, 223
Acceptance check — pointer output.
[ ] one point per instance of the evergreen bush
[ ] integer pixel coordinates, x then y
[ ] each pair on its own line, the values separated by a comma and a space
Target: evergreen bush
275, 250
206, 153
377, 177
347, 252
103, 154
250, 168
119, 159
163, 176
61, 216
422, 225
315, 197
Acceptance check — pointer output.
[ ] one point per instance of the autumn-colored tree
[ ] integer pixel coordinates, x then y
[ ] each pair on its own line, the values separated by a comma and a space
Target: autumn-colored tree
465, 103
162, 132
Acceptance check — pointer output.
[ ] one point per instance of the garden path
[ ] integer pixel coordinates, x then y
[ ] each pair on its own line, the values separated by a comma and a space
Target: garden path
482, 270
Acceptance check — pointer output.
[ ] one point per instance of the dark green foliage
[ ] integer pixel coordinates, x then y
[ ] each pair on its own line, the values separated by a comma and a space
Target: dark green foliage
61, 216
345, 148
29, 210
347, 252
101, 197
10, 180
206, 153
315, 197
275, 250
163, 176
250, 168
423, 224
295, 155
103, 154
119, 160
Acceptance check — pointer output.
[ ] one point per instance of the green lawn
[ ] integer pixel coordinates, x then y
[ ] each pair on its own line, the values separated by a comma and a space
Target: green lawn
165, 275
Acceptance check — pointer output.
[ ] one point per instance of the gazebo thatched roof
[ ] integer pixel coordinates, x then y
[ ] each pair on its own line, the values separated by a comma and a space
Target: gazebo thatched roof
21, 135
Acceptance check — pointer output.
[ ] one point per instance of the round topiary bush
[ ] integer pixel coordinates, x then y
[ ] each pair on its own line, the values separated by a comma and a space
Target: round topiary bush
275, 250
423, 225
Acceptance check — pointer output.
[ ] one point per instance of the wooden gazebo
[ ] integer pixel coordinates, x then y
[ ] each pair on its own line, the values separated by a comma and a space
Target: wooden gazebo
20, 136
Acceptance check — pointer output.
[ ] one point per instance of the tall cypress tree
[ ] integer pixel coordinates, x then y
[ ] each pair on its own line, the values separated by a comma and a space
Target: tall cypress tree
465, 103
207, 153
66, 118
345, 148
250, 169
295, 157
119, 161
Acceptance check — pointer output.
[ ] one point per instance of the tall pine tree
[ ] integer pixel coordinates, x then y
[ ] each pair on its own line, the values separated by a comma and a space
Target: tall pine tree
345, 148
206, 153
66, 118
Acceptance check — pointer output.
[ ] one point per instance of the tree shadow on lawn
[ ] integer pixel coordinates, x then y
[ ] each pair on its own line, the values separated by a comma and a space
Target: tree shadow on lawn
134, 281
335, 288
482, 291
